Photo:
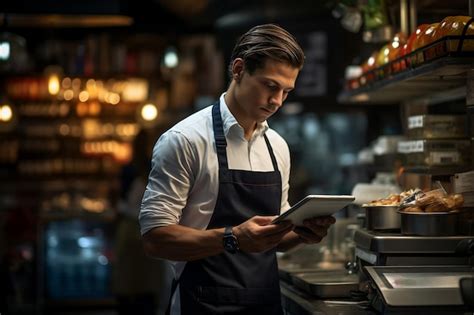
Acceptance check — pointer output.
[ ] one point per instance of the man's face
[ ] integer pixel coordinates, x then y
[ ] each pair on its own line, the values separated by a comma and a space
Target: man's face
261, 94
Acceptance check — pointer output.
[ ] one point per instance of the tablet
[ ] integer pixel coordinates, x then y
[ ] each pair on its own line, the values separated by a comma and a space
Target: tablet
315, 206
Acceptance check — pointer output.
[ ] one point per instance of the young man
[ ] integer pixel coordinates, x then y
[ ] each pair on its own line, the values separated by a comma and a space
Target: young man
219, 178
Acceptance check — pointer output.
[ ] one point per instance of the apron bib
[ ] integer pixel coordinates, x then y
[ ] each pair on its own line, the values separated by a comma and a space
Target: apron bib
240, 283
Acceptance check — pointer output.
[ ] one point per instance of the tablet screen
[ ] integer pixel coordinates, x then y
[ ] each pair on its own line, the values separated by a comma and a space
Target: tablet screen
315, 206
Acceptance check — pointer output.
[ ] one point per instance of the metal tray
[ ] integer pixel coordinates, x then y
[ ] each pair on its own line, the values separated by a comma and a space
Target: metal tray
327, 284
286, 269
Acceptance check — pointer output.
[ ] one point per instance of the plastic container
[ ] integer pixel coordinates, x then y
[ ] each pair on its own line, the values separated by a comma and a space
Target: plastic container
436, 152
437, 126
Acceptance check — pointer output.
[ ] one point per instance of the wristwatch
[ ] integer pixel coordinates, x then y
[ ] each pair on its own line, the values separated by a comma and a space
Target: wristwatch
230, 242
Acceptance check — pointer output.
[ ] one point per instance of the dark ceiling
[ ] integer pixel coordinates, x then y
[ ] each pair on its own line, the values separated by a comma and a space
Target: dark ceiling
191, 16
179, 16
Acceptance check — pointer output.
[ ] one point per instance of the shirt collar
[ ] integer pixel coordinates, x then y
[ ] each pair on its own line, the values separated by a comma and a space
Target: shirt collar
229, 122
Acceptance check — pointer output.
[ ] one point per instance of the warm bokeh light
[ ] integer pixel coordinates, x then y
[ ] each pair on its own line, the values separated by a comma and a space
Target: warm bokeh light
76, 84
63, 109
66, 83
83, 96
135, 90
64, 130
149, 112
94, 108
68, 95
90, 84
53, 84
113, 98
6, 113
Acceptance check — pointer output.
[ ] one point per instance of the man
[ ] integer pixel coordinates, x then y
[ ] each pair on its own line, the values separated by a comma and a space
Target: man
219, 178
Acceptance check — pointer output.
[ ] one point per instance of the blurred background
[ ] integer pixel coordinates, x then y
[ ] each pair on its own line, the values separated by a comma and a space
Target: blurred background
87, 87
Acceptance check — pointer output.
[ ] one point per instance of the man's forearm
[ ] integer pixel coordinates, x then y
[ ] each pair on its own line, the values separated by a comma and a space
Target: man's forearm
289, 241
181, 243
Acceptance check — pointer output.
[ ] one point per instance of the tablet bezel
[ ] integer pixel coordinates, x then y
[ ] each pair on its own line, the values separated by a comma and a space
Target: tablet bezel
315, 198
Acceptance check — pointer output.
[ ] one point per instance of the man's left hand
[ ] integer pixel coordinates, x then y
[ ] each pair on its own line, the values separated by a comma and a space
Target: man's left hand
314, 229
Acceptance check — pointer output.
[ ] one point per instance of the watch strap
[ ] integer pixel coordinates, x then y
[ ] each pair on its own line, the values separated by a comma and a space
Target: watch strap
228, 231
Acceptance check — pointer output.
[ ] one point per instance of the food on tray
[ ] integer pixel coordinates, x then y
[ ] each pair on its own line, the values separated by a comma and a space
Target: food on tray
412, 209
435, 201
392, 199
438, 205
415, 200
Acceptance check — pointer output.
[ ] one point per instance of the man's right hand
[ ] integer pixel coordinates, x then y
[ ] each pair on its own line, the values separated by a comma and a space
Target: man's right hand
258, 234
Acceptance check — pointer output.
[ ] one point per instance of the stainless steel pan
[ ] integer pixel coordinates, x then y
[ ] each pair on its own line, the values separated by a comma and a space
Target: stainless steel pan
430, 223
382, 218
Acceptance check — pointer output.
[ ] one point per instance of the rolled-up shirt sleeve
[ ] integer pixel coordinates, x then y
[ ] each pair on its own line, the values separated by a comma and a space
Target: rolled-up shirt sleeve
170, 180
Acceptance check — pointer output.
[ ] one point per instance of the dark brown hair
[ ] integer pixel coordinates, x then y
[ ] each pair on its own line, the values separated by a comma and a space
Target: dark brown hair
268, 41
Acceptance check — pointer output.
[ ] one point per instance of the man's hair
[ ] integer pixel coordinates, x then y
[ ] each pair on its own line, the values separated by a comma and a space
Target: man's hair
263, 42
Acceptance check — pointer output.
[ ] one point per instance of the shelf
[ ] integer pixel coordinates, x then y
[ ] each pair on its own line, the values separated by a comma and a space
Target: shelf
445, 73
441, 66
436, 171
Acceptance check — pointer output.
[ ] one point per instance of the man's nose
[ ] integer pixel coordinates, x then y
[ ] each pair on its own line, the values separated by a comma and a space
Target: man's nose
277, 99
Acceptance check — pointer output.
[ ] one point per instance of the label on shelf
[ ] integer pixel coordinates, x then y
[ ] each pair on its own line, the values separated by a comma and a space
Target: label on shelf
415, 122
411, 146
444, 158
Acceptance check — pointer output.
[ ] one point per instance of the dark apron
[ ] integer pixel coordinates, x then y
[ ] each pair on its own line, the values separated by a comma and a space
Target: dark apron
241, 283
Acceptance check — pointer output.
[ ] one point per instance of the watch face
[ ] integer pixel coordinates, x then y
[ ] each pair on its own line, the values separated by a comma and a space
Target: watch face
230, 244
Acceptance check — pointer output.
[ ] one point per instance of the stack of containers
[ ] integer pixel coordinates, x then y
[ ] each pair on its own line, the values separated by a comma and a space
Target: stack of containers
436, 141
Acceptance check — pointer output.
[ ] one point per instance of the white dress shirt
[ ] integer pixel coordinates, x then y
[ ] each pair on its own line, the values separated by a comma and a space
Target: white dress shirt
183, 183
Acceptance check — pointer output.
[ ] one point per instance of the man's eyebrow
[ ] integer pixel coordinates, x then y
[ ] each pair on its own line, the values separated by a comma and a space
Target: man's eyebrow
279, 85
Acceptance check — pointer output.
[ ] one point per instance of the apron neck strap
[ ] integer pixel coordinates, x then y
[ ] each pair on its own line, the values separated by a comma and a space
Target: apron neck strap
219, 136
270, 150
221, 143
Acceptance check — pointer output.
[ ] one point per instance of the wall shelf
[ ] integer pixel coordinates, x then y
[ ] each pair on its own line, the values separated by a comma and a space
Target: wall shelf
442, 74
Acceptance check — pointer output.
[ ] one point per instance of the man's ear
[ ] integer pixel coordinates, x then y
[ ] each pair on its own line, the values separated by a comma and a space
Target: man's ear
237, 69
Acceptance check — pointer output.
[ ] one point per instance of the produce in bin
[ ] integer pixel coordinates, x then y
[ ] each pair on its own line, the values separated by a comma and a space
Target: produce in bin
454, 26
408, 47
427, 36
